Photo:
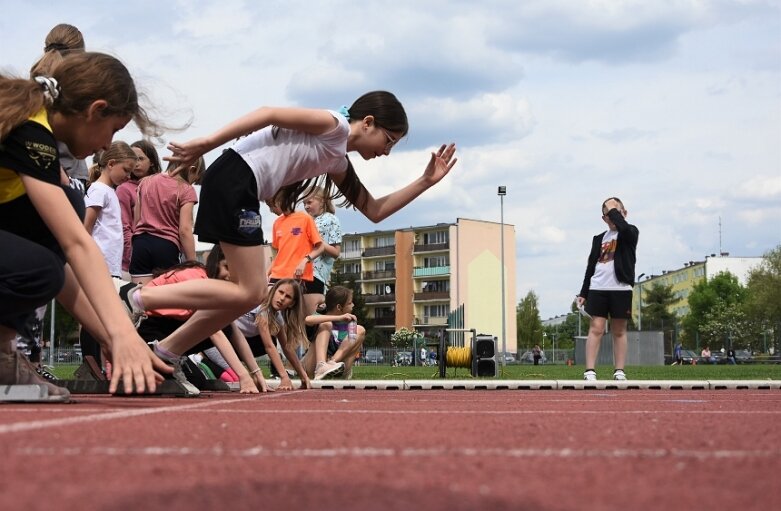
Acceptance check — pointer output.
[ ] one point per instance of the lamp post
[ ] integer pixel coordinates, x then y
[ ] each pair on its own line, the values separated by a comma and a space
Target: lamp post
501, 192
640, 302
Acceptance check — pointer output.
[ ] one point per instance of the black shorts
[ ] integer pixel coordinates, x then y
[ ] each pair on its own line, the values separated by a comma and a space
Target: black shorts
228, 207
316, 287
256, 345
31, 275
616, 304
151, 254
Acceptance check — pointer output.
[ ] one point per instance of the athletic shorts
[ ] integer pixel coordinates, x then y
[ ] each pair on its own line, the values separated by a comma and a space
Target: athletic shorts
151, 254
31, 275
616, 304
228, 208
256, 345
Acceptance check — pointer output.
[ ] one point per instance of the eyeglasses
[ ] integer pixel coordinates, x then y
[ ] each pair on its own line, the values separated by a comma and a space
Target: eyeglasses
391, 141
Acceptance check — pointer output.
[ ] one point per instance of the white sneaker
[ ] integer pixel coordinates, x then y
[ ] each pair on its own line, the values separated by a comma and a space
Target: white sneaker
125, 290
619, 375
328, 369
590, 375
178, 375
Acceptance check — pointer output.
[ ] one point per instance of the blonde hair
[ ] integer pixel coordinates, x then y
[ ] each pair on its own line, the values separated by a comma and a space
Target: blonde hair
294, 316
117, 151
318, 192
192, 174
82, 79
61, 41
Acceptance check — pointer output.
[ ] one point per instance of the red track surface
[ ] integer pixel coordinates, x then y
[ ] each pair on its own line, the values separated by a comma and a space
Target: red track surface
369, 450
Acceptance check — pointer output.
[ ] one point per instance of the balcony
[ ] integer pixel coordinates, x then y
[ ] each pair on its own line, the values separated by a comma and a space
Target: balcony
434, 320
431, 272
388, 298
379, 251
432, 247
350, 254
385, 321
432, 295
346, 277
379, 275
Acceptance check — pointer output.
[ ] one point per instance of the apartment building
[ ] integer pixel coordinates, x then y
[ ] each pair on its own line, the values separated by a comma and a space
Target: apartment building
685, 278
418, 277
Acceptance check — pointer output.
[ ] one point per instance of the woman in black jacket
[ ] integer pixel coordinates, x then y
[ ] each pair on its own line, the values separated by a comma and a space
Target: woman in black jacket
607, 286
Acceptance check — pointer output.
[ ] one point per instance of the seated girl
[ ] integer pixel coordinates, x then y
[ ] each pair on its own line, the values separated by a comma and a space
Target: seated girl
334, 352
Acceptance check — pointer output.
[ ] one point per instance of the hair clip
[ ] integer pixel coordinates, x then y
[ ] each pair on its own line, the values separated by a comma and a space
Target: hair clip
51, 89
345, 112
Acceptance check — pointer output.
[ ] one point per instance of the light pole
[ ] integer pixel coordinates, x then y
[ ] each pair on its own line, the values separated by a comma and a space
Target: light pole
501, 192
640, 302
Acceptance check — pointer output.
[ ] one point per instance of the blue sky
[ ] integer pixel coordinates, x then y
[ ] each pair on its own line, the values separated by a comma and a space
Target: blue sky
674, 106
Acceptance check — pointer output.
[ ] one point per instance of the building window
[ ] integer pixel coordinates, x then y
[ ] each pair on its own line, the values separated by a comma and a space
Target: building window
435, 238
384, 265
385, 241
384, 289
436, 286
352, 245
435, 311
435, 262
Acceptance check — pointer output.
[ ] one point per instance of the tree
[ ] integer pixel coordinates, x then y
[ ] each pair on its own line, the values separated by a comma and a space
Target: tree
716, 312
656, 313
529, 325
763, 304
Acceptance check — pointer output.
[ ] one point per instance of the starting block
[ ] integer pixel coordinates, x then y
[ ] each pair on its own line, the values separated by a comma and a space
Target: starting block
166, 388
23, 393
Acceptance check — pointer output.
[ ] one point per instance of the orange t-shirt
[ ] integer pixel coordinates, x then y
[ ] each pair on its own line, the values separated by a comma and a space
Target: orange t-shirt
172, 277
295, 235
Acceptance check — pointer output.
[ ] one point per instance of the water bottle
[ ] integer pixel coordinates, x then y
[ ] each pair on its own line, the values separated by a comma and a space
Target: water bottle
352, 331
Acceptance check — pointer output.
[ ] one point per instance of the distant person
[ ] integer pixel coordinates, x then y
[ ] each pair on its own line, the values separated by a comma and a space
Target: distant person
707, 356
607, 286
678, 354
163, 221
321, 207
731, 356
148, 163
536, 354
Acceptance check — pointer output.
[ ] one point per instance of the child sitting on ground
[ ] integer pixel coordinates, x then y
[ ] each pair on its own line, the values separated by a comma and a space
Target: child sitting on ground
334, 352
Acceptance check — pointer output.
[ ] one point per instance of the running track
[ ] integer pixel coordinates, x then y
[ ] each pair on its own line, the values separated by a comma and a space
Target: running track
380, 450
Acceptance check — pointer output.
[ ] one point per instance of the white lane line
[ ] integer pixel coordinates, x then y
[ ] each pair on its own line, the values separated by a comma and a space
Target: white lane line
16, 427
379, 452
499, 412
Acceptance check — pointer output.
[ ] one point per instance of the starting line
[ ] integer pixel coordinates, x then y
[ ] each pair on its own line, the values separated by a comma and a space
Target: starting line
33, 393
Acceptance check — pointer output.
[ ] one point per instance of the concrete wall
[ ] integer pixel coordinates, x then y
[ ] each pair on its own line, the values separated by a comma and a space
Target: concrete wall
643, 349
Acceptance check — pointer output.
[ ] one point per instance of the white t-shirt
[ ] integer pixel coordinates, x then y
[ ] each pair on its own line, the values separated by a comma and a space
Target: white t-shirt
293, 155
247, 323
604, 278
107, 232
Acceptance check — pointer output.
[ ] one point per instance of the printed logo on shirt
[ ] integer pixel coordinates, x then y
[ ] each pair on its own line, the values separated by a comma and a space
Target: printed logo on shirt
608, 252
249, 222
296, 231
42, 154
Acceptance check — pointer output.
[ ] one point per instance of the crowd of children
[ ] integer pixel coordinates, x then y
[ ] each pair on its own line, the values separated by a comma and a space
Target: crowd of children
138, 226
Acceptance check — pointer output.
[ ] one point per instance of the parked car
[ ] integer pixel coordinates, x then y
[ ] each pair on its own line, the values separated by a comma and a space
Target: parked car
373, 356
528, 358
689, 357
509, 358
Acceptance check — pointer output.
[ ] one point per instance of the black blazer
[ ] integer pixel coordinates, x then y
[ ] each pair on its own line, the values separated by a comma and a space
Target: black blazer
625, 256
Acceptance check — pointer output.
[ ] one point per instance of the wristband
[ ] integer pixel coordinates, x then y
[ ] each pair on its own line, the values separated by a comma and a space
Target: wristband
255, 371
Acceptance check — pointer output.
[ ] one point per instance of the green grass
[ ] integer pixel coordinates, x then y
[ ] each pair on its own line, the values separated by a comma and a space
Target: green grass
553, 372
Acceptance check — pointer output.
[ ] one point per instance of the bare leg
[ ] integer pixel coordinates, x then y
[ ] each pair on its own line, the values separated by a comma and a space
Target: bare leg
311, 301
347, 351
618, 329
248, 289
595, 331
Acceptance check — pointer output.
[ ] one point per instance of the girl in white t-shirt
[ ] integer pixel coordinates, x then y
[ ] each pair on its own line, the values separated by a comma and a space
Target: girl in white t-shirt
282, 149
103, 216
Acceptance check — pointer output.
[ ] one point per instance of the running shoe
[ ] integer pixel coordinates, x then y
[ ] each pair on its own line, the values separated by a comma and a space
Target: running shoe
15, 369
126, 290
619, 375
590, 375
328, 369
178, 375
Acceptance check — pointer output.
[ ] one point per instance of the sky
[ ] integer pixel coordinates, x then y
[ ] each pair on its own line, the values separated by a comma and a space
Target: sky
674, 106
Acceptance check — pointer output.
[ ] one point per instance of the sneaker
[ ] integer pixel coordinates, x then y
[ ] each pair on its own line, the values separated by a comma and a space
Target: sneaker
619, 375
328, 369
178, 375
126, 290
590, 375
15, 369
348, 374
44, 372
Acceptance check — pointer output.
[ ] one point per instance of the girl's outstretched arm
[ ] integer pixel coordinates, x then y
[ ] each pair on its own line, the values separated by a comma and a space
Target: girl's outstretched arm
244, 351
133, 362
314, 121
316, 319
247, 385
377, 210
291, 355
273, 354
